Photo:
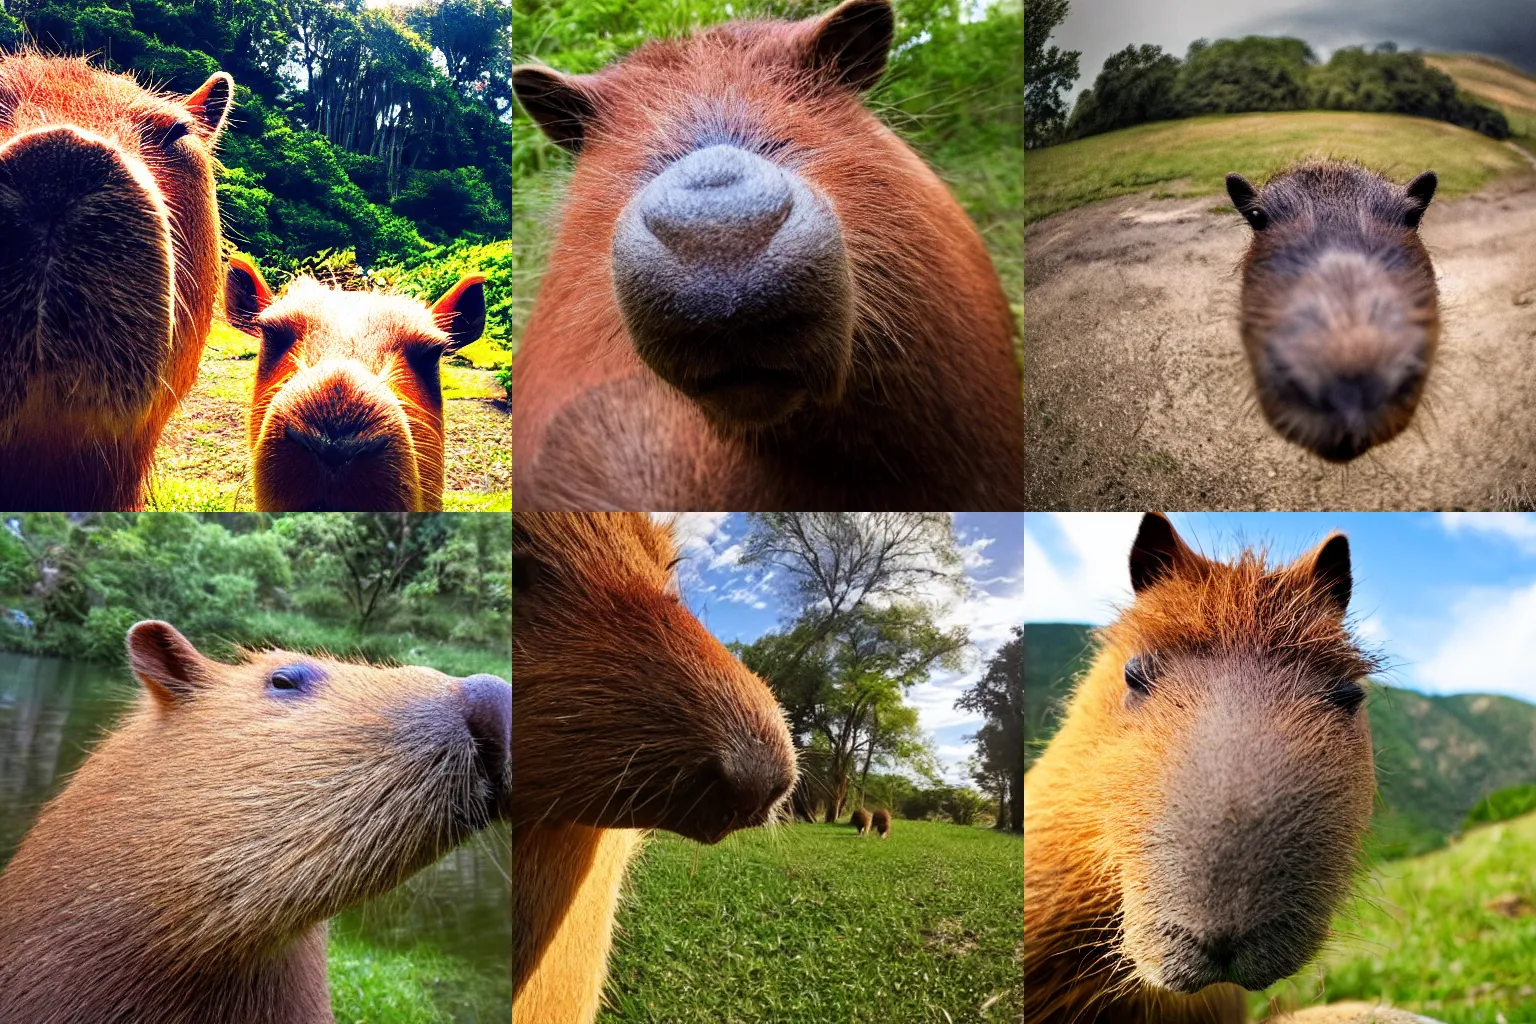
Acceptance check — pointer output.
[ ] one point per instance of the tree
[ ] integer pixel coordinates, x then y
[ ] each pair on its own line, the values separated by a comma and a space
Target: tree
1048, 72
368, 556
1135, 85
999, 695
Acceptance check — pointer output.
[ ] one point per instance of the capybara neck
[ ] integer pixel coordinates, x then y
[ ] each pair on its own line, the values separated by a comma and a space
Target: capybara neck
629, 715
108, 274
1194, 824
1340, 311
801, 289
347, 409
186, 872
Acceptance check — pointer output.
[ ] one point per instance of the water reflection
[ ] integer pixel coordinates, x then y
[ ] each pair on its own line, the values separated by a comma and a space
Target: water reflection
52, 712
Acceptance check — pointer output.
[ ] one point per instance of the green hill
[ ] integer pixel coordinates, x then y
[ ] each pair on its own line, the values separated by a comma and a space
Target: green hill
1496, 83
1436, 756
1190, 157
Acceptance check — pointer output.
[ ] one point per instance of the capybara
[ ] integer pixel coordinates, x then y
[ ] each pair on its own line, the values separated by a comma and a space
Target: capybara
860, 821
628, 715
186, 873
759, 296
882, 823
1196, 821
347, 407
1340, 312
109, 272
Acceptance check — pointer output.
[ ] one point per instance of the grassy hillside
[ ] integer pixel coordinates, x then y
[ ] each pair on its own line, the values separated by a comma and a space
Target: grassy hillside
810, 923
1451, 934
1191, 157
1436, 757
1502, 85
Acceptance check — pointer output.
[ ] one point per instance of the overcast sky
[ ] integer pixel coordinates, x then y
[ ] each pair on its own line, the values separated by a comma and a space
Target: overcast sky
1450, 598
738, 603
1502, 28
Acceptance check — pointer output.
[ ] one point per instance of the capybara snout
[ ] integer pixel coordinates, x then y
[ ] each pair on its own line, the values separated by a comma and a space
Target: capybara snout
1340, 311
733, 283
629, 713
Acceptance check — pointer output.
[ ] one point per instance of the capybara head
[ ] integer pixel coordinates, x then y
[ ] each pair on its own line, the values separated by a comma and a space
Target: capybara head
347, 410
1226, 713
740, 181
860, 820
1340, 313
628, 712
239, 805
882, 822
109, 270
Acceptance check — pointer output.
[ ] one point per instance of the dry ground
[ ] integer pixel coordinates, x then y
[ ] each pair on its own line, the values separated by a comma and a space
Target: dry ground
1137, 393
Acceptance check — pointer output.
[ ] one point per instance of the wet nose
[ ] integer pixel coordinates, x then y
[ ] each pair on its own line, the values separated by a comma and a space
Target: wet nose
754, 775
488, 713
334, 448
53, 169
719, 203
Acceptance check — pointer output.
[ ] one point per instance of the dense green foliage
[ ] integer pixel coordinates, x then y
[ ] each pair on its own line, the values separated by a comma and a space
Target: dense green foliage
1049, 72
424, 587
1259, 73
1436, 757
953, 89
812, 923
1502, 805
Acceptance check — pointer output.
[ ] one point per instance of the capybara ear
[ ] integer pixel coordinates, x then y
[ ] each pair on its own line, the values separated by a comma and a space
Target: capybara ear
1330, 574
854, 39
559, 103
211, 103
1420, 191
246, 295
1245, 198
1159, 553
461, 311
170, 668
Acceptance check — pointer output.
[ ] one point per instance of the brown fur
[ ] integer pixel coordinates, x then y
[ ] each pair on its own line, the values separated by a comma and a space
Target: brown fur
916, 404
187, 871
881, 821
353, 372
628, 715
1224, 800
1340, 312
109, 272
860, 820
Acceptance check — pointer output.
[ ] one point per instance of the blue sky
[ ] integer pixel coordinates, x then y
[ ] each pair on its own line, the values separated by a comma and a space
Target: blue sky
738, 603
1450, 598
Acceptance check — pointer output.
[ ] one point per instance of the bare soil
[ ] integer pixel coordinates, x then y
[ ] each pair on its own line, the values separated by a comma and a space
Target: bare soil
1137, 393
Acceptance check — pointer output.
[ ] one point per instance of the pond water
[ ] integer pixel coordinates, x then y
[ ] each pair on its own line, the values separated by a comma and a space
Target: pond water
52, 712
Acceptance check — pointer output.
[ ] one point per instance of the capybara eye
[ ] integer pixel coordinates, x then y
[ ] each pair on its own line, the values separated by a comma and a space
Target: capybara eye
294, 679
1347, 696
166, 136
1139, 675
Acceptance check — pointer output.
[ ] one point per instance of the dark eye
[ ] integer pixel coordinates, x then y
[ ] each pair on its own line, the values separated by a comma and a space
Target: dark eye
1139, 675
283, 679
292, 680
168, 135
1347, 696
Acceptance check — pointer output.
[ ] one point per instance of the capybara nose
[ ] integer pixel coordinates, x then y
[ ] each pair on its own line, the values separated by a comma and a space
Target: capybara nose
334, 450
718, 204
754, 776
488, 713
50, 171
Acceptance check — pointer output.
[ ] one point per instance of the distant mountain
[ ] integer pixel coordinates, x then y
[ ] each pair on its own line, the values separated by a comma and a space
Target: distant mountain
1436, 757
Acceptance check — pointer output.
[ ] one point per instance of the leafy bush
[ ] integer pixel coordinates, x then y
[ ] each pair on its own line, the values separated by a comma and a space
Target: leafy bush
1502, 805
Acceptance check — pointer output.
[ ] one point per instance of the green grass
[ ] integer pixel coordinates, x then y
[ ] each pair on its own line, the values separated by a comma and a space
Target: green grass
372, 985
1174, 159
808, 924
1451, 934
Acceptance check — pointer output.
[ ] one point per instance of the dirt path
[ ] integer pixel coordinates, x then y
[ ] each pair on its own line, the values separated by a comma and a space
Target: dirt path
1138, 395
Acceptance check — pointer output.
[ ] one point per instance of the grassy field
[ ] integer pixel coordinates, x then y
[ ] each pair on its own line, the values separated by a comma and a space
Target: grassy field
371, 985
1498, 83
203, 461
1451, 934
1191, 157
809, 924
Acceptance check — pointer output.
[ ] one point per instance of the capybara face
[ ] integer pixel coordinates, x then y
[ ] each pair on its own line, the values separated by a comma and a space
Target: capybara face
1340, 311
256, 800
347, 411
108, 273
1232, 719
629, 713
725, 168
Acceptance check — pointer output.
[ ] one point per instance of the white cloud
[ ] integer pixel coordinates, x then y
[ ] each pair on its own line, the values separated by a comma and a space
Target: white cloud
1084, 575
1489, 647
1372, 628
971, 552
1518, 528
